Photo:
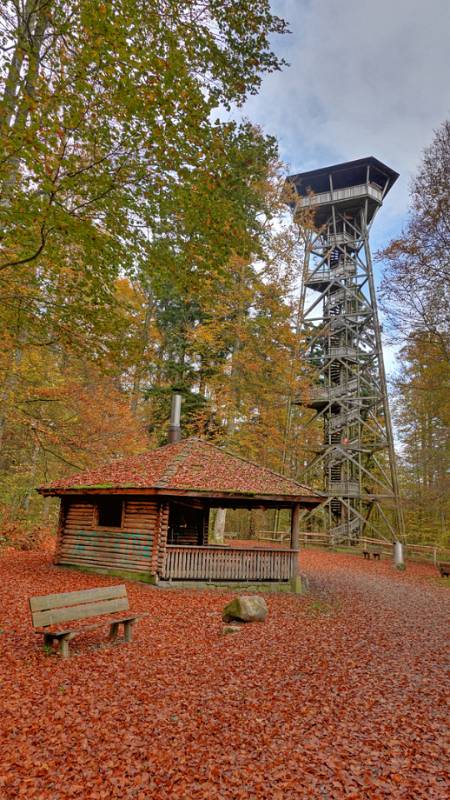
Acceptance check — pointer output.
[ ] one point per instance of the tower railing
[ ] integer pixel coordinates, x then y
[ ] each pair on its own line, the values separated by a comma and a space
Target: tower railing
338, 195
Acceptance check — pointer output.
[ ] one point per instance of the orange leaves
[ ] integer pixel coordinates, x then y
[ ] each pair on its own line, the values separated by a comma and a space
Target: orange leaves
337, 695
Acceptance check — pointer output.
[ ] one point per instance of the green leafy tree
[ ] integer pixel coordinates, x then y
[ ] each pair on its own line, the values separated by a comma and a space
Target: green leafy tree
121, 198
105, 109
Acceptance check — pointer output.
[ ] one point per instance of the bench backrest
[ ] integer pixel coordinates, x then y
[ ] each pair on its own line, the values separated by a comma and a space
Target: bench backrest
52, 609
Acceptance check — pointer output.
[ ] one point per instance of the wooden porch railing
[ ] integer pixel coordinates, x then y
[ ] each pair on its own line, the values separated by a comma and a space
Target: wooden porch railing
229, 563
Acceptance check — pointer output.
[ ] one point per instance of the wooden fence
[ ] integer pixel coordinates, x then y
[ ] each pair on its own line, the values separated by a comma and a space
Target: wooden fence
261, 536
229, 563
413, 552
419, 552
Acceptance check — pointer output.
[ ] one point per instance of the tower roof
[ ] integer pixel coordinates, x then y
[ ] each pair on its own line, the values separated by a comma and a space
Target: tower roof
191, 466
349, 173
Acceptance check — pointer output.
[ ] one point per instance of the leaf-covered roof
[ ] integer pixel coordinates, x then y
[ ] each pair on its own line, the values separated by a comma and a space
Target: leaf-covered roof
189, 465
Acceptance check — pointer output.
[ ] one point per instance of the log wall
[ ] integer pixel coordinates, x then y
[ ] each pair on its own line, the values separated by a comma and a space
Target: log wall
133, 547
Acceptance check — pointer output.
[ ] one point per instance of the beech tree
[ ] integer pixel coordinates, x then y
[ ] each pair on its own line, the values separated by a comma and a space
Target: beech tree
123, 202
422, 415
416, 292
416, 287
105, 110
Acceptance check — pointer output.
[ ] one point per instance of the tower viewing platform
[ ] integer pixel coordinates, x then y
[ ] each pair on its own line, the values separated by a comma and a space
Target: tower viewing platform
346, 186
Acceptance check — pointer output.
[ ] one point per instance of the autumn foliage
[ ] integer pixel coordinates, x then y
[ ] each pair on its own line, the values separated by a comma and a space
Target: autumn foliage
416, 291
137, 253
339, 694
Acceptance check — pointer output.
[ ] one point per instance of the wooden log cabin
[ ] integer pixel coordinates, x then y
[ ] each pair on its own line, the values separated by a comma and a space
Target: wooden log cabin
147, 517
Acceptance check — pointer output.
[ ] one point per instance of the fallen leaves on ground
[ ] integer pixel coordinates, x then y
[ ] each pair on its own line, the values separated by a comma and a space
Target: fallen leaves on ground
339, 694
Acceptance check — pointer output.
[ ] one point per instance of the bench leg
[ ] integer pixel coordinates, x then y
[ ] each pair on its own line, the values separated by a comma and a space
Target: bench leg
113, 631
48, 640
64, 644
64, 647
128, 629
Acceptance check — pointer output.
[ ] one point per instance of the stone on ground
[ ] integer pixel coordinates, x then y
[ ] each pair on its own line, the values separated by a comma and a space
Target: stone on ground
231, 629
246, 609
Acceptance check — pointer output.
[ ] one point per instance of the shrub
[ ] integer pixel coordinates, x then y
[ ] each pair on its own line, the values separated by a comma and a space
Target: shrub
23, 535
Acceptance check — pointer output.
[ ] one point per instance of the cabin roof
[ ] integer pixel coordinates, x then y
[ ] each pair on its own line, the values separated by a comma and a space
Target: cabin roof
191, 466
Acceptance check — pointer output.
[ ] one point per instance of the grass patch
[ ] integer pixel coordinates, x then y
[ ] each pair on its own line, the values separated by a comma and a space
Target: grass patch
445, 582
319, 608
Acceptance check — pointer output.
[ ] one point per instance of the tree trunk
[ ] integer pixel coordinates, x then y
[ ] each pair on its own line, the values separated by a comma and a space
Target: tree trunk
140, 366
219, 526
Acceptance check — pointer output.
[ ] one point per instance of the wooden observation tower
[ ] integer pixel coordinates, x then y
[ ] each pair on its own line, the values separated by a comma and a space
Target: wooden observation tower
343, 344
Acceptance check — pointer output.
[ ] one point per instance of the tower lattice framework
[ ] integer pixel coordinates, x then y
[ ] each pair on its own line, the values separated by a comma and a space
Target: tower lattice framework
340, 319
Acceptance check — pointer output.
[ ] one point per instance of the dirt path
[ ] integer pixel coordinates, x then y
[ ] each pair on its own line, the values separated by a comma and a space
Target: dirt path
340, 694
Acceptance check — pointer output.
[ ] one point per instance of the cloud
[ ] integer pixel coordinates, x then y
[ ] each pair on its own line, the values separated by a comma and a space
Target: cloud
367, 77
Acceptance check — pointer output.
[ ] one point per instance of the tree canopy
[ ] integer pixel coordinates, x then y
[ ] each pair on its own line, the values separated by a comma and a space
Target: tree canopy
416, 291
138, 252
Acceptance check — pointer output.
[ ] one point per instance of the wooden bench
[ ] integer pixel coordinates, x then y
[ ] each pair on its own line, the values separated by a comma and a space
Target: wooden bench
372, 551
54, 609
444, 568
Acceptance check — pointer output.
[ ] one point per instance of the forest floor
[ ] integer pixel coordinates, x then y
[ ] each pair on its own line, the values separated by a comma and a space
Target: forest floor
341, 693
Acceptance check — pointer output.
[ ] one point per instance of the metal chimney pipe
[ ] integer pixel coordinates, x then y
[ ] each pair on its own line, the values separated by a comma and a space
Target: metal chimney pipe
175, 414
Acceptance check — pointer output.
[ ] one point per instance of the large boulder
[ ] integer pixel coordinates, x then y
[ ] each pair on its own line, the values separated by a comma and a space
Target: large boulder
246, 609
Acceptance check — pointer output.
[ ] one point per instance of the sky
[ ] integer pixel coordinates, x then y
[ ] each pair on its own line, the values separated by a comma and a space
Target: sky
366, 77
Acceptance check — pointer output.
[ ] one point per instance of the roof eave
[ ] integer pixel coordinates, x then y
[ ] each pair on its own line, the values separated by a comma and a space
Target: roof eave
288, 499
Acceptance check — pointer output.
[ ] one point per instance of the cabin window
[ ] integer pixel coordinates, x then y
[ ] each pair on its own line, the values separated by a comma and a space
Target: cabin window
109, 512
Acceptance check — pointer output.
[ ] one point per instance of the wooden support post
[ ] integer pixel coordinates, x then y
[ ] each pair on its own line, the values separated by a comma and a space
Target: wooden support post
163, 530
295, 542
295, 527
205, 527
64, 643
64, 646
113, 631
128, 630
